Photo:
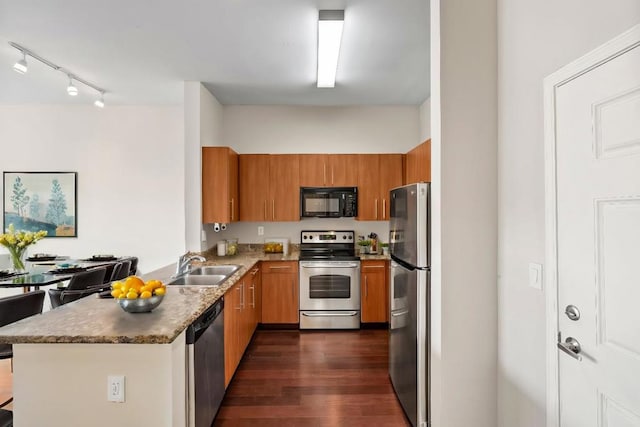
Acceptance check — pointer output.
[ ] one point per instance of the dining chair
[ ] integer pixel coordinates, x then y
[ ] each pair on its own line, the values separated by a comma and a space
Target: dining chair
134, 266
123, 271
6, 417
81, 284
12, 309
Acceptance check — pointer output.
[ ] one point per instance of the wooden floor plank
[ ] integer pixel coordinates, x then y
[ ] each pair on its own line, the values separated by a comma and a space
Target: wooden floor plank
313, 378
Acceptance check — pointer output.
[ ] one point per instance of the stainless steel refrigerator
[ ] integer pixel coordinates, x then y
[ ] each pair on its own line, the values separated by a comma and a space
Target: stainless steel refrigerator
409, 246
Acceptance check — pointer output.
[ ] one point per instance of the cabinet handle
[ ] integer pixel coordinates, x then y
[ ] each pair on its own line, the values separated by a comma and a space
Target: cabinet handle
384, 208
282, 267
265, 209
376, 208
366, 287
232, 209
324, 173
254, 271
239, 307
331, 176
293, 291
273, 209
253, 295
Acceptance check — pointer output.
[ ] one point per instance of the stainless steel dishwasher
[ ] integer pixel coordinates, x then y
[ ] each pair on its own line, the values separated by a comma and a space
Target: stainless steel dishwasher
205, 366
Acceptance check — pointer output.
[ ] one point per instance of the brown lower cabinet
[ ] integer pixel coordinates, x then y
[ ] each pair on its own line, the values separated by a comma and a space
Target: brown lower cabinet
374, 291
280, 292
242, 308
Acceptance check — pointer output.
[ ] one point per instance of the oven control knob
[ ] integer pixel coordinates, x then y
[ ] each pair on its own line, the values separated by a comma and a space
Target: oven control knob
350, 237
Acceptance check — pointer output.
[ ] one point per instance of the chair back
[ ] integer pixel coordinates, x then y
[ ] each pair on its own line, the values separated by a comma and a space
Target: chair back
18, 307
80, 285
108, 272
123, 272
134, 266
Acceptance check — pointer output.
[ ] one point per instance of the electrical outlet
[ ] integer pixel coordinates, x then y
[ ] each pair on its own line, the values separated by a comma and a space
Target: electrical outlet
115, 388
260, 231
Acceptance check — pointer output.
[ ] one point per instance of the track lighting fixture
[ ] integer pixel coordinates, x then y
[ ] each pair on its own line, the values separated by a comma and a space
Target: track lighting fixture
72, 89
20, 67
100, 101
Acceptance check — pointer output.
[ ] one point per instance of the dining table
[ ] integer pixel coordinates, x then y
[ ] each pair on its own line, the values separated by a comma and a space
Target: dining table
49, 272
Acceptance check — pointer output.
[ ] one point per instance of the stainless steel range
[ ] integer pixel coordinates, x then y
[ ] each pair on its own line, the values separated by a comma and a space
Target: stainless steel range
329, 280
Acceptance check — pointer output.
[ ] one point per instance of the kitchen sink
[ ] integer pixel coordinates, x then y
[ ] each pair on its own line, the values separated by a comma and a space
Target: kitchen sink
224, 270
198, 280
211, 275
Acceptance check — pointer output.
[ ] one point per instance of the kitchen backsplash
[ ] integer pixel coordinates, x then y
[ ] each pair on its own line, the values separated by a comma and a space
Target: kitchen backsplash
247, 232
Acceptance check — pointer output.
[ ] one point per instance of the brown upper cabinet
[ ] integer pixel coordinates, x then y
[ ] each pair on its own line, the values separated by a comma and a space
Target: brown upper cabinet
269, 187
419, 163
328, 170
219, 185
377, 175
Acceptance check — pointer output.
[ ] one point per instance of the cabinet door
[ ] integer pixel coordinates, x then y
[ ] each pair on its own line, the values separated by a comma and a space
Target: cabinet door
254, 187
368, 187
390, 177
284, 187
231, 318
280, 292
374, 306
342, 170
219, 184
313, 170
418, 163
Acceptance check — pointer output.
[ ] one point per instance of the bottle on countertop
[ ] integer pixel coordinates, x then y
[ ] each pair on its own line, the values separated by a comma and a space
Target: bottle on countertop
222, 248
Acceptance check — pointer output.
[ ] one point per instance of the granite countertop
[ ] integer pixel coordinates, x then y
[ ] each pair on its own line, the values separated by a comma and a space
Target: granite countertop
97, 320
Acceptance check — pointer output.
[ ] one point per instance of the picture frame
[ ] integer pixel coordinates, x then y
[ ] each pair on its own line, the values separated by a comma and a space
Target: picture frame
34, 201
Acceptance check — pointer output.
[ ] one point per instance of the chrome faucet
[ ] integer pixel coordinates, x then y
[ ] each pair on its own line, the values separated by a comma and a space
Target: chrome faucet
184, 263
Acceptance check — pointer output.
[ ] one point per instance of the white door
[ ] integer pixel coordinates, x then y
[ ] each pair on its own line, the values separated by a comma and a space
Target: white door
597, 136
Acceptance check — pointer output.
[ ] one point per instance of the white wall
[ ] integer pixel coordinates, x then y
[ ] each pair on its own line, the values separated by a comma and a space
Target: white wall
535, 39
425, 120
294, 129
464, 220
202, 127
130, 174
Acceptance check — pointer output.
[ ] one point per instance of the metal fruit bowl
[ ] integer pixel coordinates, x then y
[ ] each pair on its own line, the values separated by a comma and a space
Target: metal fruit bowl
140, 305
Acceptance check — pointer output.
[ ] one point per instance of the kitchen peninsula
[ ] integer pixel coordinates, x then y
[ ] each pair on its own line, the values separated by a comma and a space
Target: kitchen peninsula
62, 358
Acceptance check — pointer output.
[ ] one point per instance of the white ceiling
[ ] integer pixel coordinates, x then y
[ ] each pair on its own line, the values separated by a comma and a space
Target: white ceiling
244, 51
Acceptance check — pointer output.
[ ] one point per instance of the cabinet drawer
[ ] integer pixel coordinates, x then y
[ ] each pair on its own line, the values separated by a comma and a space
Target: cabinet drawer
279, 267
373, 266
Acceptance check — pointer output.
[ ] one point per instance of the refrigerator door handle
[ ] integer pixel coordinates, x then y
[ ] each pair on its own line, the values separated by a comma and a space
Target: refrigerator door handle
401, 313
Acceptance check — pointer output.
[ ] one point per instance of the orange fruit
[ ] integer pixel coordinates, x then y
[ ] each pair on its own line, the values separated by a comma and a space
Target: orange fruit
134, 282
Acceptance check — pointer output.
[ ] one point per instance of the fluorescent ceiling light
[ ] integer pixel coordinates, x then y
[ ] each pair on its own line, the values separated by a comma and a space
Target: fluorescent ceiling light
21, 66
330, 23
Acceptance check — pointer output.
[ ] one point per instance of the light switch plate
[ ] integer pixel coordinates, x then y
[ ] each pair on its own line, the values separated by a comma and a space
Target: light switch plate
535, 275
260, 230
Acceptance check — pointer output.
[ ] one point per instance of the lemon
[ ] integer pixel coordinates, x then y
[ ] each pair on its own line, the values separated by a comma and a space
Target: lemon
145, 294
160, 291
116, 285
115, 293
132, 295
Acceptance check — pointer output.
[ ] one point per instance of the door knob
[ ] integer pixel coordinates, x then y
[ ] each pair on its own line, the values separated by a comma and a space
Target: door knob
572, 312
571, 346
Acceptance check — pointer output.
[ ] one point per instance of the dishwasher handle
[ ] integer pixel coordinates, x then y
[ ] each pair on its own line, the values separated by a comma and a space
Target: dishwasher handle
197, 328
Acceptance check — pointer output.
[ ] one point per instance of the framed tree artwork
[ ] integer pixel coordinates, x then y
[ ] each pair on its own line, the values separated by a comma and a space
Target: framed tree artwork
41, 201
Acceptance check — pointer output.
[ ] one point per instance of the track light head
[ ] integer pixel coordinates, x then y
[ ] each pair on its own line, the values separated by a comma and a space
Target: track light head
20, 67
100, 101
72, 89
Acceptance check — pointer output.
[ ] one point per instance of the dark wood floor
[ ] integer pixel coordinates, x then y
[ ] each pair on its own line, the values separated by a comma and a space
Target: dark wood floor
326, 378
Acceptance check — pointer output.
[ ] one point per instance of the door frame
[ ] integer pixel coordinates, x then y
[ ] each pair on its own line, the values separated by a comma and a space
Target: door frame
608, 51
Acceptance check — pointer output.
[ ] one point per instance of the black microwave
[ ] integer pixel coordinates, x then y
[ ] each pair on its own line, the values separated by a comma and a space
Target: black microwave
328, 202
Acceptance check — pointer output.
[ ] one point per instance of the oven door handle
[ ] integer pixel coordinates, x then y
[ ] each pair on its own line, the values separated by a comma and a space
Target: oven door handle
334, 314
329, 265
